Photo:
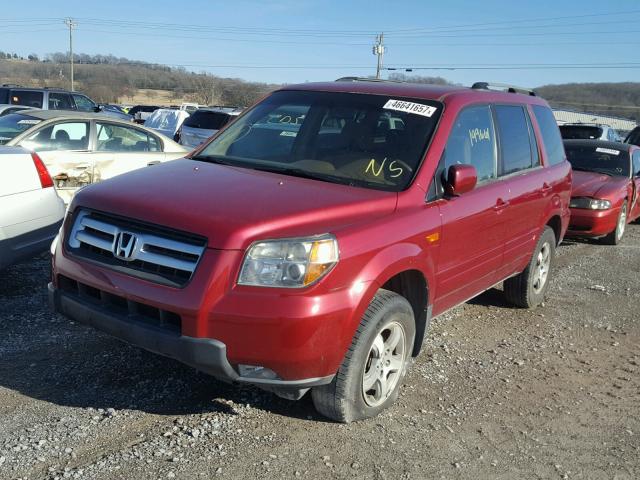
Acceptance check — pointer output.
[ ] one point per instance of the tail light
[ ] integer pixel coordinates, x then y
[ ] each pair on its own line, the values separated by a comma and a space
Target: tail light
43, 173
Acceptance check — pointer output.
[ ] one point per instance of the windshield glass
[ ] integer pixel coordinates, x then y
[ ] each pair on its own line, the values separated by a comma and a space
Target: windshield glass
600, 159
580, 132
370, 141
207, 120
13, 124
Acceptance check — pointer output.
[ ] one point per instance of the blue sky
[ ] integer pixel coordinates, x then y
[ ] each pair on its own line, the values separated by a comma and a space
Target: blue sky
309, 40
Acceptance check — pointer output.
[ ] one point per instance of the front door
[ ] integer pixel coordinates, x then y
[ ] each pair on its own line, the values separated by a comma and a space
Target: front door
472, 242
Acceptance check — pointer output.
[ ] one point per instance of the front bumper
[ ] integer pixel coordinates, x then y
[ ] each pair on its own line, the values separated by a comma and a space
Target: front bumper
592, 223
205, 354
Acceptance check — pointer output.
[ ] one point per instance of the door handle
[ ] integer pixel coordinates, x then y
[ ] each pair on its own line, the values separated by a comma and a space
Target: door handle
546, 188
500, 205
154, 162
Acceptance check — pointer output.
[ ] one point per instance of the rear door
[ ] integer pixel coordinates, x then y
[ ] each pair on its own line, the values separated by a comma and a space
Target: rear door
122, 148
472, 224
520, 168
60, 101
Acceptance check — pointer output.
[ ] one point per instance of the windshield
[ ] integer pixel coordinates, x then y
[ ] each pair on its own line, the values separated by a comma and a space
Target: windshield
362, 140
207, 120
14, 124
580, 132
594, 158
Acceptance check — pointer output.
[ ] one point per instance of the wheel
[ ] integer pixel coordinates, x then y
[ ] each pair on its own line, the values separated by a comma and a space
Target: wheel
529, 288
371, 373
615, 237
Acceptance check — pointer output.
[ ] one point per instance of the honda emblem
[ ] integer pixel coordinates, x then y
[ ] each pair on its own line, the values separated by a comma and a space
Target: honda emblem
125, 246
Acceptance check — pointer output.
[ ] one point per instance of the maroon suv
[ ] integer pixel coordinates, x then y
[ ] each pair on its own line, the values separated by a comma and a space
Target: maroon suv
310, 242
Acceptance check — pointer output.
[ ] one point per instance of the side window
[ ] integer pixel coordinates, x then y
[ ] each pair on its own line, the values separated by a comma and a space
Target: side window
83, 103
636, 163
117, 138
634, 137
29, 98
60, 136
472, 141
515, 144
534, 141
60, 101
550, 134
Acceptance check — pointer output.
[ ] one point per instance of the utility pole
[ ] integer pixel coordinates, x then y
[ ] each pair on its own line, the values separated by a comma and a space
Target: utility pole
379, 49
71, 24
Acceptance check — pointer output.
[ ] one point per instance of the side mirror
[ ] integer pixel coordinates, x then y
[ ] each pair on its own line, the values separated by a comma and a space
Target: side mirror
461, 179
97, 109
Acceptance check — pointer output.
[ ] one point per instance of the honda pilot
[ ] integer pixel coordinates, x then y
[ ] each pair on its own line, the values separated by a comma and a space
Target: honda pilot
308, 244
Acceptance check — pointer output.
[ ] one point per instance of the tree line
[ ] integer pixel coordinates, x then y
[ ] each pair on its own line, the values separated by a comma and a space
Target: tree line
111, 79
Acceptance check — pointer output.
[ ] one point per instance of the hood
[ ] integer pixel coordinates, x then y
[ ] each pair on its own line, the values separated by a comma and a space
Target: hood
596, 185
234, 206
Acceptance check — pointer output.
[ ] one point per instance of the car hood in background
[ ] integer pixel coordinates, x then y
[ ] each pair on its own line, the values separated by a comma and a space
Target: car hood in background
596, 185
234, 206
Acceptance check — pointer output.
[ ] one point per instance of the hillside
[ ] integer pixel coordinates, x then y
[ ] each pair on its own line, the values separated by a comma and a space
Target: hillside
619, 99
111, 79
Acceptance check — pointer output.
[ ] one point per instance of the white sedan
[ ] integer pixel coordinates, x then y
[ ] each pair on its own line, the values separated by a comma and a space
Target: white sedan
30, 209
82, 148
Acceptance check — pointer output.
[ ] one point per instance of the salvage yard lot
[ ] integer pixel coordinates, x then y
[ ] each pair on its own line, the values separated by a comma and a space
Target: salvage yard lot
497, 392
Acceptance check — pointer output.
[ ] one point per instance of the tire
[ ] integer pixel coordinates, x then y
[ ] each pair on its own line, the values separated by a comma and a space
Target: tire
528, 288
344, 399
615, 237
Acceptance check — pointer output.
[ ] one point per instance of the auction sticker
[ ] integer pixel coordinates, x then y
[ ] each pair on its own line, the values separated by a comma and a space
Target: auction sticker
410, 107
610, 151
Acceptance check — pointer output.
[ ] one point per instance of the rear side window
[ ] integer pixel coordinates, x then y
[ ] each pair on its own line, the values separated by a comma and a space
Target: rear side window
60, 101
636, 163
473, 142
29, 98
4, 96
553, 145
634, 137
60, 136
515, 144
207, 120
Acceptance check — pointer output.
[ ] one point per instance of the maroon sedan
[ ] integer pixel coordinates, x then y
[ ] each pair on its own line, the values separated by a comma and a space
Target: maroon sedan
606, 180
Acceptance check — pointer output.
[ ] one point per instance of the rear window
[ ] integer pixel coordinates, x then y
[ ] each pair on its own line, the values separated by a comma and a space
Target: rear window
207, 120
14, 124
29, 98
580, 132
599, 158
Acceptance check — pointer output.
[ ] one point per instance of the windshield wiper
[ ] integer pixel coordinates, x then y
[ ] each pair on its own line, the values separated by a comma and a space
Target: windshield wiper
297, 172
212, 159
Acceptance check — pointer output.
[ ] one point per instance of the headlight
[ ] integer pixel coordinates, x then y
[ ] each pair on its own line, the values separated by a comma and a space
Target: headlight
293, 262
590, 203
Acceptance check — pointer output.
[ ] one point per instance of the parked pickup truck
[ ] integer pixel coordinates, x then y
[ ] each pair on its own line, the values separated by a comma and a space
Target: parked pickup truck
308, 244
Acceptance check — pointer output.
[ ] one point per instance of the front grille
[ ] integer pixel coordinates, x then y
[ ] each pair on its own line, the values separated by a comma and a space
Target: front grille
134, 312
147, 251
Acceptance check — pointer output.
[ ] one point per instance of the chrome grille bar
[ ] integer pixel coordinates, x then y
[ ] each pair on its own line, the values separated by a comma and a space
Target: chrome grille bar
147, 251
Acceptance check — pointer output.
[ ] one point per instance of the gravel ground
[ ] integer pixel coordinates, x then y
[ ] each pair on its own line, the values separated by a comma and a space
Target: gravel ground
497, 393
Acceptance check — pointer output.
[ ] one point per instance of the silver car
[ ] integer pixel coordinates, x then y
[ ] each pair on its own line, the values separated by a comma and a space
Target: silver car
203, 123
82, 148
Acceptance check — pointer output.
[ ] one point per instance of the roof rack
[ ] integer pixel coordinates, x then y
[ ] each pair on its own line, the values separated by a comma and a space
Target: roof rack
505, 87
11, 85
366, 79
